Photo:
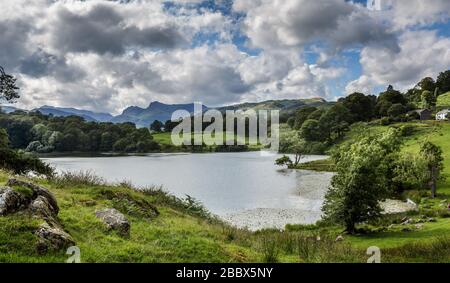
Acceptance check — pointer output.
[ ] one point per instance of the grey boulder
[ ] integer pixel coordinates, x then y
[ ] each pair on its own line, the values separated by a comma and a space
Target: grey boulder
37, 191
114, 220
10, 201
52, 238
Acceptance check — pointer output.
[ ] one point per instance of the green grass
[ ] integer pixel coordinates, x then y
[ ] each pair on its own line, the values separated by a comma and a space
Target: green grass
165, 140
326, 165
443, 101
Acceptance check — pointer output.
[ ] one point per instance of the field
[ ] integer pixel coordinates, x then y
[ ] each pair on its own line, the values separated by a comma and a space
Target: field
165, 140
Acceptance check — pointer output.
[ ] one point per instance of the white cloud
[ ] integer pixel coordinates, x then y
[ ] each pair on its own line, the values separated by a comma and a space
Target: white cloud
423, 54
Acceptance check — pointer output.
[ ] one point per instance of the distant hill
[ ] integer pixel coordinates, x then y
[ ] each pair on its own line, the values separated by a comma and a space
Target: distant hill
64, 112
286, 106
143, 117
8, 109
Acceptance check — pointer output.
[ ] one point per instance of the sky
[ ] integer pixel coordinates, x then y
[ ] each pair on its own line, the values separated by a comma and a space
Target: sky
107, 55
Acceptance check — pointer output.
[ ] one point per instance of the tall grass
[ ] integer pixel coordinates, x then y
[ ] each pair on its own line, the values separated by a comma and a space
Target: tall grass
78, 178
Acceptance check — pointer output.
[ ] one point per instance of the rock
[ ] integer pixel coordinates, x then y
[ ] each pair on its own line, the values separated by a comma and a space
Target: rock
339, 238
391, 226
408, 221
419, 226
114, 220
10, 201
41, 207
37, 191
52, 238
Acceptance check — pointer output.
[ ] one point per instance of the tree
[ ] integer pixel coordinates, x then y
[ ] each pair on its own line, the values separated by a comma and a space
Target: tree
427, 84
387, 99
443, 82
432, 155
302, 115
169, 126
8, 88
156, 126
311, 131
362, 107
284, 161
335, 122
4, 141
396, 110
428, 99
363, 180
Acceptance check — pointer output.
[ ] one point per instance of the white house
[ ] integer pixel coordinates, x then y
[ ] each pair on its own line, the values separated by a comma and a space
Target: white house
443, 115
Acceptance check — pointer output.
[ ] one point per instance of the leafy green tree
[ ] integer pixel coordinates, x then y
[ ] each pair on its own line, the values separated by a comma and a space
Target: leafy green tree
361, 107
443, 82
316, 115
334, 122
397, 110
387, 99
4, 141
302, 115
311, 131
432, 155
427, 84
291, 122
169, 125
363, 180
8, 88
156, 126
429, 100
284, 161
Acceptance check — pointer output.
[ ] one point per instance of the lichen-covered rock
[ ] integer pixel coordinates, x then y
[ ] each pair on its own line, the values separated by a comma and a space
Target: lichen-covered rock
52, 238
10, 201
41, 207
114, 220
37, 191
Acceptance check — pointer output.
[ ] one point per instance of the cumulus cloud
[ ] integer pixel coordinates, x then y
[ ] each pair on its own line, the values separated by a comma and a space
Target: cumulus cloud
103, 30
107, 55
275, 24
423, 54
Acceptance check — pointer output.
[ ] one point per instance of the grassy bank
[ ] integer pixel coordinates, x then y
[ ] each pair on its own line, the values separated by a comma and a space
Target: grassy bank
185, 232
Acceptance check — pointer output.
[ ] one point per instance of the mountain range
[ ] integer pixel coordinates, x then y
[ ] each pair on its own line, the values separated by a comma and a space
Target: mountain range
143, 117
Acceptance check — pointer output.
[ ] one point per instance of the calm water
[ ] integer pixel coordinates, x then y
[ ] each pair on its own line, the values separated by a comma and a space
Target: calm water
236, 186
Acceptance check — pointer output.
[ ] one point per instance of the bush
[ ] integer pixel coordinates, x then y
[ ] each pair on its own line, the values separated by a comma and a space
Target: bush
22, 163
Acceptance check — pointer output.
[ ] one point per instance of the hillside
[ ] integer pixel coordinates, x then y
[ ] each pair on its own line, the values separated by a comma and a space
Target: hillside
144, 117
286, 107
443, 101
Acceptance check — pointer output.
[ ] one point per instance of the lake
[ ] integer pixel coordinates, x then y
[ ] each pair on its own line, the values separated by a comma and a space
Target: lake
246, 189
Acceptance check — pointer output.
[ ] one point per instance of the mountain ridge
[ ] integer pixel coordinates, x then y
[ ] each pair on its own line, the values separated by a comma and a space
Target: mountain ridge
156, 110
